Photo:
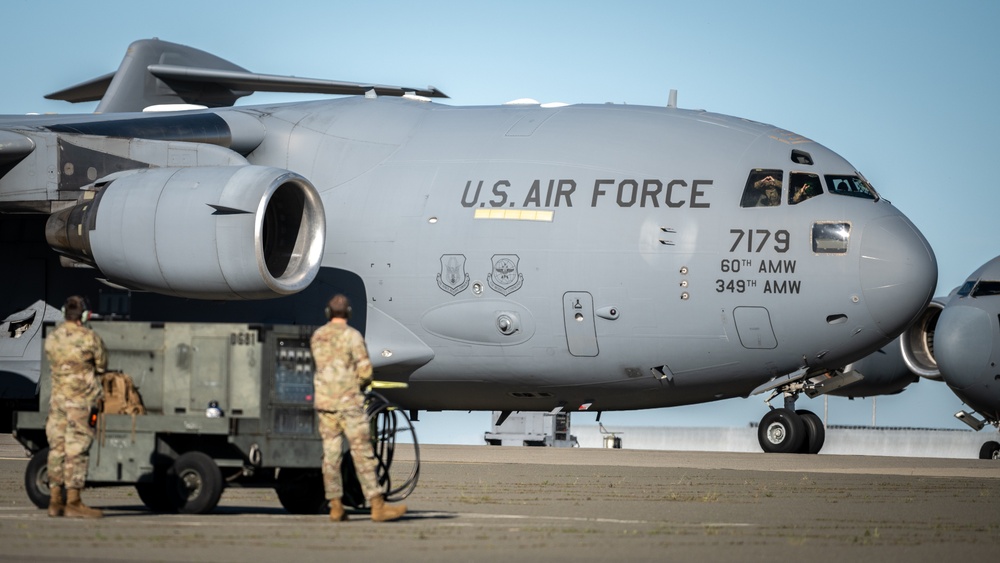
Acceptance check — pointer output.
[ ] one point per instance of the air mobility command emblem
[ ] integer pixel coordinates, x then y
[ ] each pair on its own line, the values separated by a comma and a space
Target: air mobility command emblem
505, 279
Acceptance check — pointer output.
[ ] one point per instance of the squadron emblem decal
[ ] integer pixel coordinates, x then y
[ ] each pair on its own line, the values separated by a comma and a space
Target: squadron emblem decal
505, 278
453, 278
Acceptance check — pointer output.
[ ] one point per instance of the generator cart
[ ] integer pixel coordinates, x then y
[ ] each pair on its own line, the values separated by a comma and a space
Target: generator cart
226, 405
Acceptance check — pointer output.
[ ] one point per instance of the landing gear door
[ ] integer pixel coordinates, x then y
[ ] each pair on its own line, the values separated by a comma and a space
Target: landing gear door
578, 316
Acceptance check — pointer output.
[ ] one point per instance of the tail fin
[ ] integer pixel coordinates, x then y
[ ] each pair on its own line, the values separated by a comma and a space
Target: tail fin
130, 89
155, 73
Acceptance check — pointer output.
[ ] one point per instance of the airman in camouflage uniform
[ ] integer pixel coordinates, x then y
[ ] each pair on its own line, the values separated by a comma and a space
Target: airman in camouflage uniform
75, 354
342, 371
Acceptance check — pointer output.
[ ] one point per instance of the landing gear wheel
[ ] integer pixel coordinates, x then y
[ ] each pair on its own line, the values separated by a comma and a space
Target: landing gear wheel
990, 450
36, 479
300, 491
781, 431
815, 436
194, 483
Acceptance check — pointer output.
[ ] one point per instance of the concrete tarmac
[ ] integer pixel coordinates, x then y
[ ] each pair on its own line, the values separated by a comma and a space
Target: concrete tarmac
481, 503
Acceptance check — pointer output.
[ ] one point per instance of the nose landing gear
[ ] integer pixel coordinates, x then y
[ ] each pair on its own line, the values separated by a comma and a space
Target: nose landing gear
786, 430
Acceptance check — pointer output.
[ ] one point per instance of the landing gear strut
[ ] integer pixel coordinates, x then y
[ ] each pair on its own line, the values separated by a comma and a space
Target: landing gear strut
786, 430
991, 449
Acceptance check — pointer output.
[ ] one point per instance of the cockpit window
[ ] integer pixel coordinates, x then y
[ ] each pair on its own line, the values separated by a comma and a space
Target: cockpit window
803, 186
850, 185
763, 189
980, 288
830, 238
986, 289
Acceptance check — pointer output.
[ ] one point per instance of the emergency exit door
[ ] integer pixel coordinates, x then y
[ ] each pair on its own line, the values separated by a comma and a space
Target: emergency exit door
578, 316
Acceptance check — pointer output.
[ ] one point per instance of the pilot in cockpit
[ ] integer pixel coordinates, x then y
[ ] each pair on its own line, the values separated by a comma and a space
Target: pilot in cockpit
802, 192
770, 190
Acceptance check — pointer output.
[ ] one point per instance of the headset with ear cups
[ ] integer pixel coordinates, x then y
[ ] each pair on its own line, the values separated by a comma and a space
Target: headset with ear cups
329, 312
84, 315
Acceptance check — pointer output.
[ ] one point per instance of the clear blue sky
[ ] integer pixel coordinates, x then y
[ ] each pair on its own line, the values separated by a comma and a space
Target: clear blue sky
906, 90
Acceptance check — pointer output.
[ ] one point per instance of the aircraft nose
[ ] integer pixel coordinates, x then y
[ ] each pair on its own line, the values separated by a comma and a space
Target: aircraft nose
963, 344
898, 273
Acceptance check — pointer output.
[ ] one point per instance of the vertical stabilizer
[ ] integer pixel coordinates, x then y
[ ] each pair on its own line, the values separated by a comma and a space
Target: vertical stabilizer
134, 88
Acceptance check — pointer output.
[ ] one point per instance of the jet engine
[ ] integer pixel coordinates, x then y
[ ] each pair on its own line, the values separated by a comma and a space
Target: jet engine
917, 342
227, 232
889, 370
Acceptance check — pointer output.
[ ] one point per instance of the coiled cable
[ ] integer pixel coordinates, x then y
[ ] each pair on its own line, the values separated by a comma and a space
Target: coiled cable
388, 423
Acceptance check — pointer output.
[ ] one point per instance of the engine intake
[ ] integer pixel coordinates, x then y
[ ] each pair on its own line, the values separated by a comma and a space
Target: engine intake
917, 342
228, 232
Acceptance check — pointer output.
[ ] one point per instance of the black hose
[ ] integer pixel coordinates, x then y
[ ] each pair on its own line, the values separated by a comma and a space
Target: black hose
385, 419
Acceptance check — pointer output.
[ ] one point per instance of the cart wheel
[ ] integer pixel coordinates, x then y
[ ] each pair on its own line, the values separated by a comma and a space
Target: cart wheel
194, 484
153, 493
300, 491
154, 496
36, 479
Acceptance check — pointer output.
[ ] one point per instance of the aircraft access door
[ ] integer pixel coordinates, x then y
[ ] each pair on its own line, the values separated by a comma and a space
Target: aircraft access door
578, 316
754, 327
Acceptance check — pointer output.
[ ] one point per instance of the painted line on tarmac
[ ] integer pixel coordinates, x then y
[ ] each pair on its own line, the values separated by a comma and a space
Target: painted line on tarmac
484, 516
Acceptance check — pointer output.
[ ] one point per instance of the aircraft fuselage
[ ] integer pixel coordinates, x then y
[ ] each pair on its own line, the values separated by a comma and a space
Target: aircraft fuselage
595, 256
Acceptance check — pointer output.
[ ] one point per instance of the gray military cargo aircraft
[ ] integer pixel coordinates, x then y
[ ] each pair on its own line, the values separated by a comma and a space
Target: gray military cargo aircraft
956, 340
512, 258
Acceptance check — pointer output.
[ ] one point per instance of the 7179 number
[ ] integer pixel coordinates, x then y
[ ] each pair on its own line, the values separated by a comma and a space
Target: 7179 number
754, 240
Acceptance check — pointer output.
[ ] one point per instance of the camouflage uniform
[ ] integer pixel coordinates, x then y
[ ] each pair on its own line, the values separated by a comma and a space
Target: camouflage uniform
342, 370
74, 353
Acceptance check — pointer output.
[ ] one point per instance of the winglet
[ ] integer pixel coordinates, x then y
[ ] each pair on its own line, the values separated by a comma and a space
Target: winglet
185, 75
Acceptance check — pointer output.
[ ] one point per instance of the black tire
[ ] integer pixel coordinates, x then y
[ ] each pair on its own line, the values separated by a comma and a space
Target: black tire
194, 484
154, 494
990, 450
36, 479
301, 491
815, 436
781, 431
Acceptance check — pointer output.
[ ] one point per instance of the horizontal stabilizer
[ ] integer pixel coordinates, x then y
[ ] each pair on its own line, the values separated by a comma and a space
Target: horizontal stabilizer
89, 91
235, 80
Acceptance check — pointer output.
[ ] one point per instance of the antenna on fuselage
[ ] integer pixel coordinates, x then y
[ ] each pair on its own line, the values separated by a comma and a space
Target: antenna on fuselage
672, 99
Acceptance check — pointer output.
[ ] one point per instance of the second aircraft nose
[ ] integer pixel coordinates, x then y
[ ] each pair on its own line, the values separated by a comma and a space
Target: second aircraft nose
963, 344
898, 273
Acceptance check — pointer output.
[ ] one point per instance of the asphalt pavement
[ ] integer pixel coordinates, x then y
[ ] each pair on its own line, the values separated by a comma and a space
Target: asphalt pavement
481, 503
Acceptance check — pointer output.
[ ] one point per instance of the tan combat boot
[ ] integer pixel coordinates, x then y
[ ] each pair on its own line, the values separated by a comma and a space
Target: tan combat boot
337, 513
381, 512
56, 505
76, 509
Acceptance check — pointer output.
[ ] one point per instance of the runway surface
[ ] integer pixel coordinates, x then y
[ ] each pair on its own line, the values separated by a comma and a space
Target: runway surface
480, 503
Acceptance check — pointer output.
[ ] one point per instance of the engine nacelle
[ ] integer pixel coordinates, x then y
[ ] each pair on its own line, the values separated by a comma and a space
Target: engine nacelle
917, 342
890, 369
227, 232
885, 373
